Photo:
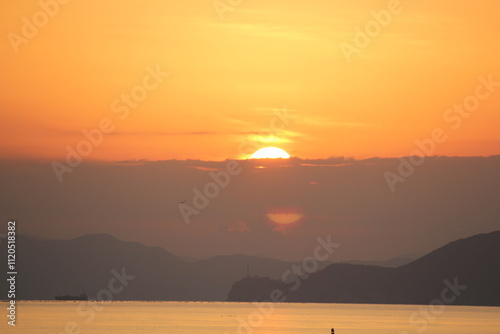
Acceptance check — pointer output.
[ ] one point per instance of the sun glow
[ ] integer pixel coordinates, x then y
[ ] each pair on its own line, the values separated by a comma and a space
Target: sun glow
270, 153
284, 218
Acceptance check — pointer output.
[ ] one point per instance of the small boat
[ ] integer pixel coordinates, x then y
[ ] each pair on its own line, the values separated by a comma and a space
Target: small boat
83, 296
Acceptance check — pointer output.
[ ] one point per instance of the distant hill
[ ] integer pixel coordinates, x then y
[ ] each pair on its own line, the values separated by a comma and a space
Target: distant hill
391, 263
473, 262
222, 271
57, 267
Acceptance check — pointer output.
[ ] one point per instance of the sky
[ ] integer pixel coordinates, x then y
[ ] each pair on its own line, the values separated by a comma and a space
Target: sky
229, 70
270, 208
112, 114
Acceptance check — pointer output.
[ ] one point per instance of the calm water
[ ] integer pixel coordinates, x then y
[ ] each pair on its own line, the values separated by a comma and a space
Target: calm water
207, 318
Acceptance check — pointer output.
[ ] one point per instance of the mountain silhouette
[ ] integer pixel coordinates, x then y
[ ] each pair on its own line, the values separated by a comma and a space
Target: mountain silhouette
47, 268
57, 267
470, 267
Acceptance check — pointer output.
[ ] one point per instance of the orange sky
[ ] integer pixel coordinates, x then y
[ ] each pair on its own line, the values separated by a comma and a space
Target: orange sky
227, 78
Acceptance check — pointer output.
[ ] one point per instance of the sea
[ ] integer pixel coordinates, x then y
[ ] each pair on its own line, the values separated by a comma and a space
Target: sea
80, 317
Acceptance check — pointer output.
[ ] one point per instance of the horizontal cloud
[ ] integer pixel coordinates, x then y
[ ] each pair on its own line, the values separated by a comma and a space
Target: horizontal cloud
445, 199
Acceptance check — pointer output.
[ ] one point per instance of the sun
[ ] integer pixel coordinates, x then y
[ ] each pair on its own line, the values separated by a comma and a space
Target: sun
270, 153
284, 218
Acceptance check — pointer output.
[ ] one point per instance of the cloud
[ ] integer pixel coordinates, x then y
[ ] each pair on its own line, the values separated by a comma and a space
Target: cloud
238, 226
166, 133
320, 121
264, 30
448, 198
